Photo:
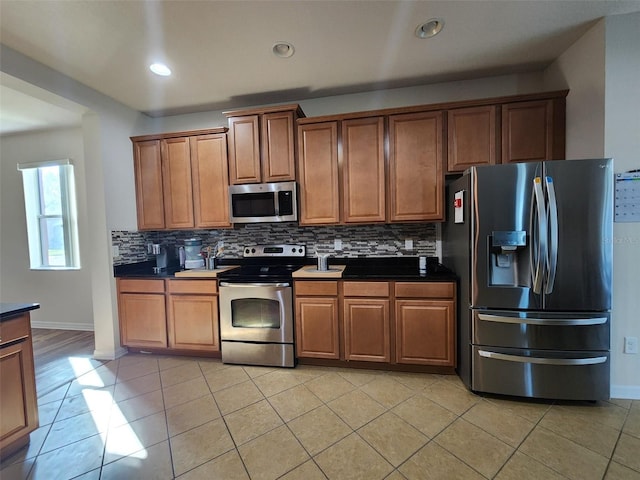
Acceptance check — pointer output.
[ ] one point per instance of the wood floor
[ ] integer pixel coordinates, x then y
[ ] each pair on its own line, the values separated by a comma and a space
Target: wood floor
60, 356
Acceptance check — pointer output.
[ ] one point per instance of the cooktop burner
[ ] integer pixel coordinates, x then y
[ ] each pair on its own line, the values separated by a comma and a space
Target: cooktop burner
267, 263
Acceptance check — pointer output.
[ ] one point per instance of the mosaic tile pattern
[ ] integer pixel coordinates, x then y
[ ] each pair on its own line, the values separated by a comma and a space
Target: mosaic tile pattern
357, 241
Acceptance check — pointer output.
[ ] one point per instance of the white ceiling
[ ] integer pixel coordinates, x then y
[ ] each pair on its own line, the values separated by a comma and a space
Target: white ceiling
221, 51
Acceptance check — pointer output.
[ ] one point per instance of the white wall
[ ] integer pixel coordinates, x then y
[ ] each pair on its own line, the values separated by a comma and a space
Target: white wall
602, 69
399, 97
108, 181
581, 69
64, 296
622, 142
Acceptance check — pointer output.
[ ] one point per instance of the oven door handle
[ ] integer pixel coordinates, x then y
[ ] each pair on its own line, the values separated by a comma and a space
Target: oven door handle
250, 285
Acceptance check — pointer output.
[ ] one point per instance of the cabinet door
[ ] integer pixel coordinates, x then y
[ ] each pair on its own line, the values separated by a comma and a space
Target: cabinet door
176, 177
209, 170
472, 137
18, 404
278, 147
147, 165
143, 320
317, 333
416, 181
193, 322
363, 178
318, 174
366, 330
244, 149
527, 131
425, 332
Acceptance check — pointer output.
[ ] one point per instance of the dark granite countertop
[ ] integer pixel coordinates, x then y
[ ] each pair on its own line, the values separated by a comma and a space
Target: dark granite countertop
8, 310
143, 269
394, 268
370, 268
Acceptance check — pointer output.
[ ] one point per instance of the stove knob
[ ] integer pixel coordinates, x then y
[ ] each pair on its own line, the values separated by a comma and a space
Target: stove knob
246, 251
253, 250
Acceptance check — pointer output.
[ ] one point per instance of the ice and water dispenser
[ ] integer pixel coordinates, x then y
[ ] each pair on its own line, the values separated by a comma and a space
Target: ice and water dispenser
508, 258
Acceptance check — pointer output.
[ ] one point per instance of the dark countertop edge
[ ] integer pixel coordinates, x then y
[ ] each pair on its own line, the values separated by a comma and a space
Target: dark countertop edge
371, 268
8, 310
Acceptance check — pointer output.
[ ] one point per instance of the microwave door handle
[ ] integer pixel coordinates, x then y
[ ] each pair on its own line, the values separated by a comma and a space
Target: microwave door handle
552, 212
276, 204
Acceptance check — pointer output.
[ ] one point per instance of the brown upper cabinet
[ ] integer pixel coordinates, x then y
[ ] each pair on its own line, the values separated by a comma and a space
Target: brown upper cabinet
416, 181
318, 174
182, 180
346, 175
363, 176
262, 144
147, 167
533, 131
471, 134
521, 128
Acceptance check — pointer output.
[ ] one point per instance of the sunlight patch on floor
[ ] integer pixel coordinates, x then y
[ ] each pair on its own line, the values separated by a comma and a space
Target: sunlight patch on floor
122, 440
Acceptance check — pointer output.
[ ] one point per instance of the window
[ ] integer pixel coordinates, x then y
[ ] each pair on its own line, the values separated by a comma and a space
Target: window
50, 206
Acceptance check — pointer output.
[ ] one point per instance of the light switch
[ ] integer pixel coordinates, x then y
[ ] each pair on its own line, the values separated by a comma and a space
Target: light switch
337, 244
408, 244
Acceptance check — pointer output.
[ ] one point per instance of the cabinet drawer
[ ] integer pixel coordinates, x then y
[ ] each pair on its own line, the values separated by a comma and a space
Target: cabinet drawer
425, 289
366, 289
140, 285
14, 329
317, 288
206, 287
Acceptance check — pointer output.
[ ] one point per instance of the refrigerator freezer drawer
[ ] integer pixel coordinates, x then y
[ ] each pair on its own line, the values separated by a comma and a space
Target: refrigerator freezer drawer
541, 330
541, 374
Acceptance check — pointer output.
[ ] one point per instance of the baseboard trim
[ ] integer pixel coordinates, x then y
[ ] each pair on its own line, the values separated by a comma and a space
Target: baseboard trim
627, 392
110, 354
62, 326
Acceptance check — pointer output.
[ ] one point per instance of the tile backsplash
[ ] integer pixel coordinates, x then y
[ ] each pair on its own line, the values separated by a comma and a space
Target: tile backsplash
384, 240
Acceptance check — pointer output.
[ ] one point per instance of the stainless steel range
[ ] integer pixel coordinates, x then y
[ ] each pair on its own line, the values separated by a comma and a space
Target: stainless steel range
256, 306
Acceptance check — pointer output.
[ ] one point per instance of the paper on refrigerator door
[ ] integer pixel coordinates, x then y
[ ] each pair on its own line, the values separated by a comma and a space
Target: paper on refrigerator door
459, 207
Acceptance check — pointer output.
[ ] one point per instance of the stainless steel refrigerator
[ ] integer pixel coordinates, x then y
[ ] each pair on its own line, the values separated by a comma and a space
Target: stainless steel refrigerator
532, 246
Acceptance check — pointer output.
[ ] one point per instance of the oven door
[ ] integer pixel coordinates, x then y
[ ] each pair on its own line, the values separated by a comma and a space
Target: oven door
256, 312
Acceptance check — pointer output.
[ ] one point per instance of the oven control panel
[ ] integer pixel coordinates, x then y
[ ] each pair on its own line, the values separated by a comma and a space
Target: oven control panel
275, 251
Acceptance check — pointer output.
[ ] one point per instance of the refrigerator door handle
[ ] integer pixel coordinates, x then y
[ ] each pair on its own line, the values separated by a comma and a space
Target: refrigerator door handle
538, 219
543, 321
542, 361
552, 213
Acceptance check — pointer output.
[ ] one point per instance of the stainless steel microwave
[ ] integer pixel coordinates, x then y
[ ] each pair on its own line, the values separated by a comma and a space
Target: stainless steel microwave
263, 202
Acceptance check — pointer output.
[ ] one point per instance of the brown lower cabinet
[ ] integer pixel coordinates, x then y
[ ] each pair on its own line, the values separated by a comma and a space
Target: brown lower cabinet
169, 314
403, 323
317, 329
366, 321
18, 402
192, 315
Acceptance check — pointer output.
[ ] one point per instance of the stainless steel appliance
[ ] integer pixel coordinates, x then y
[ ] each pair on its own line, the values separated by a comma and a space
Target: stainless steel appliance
532, 245
263, 202
256, 306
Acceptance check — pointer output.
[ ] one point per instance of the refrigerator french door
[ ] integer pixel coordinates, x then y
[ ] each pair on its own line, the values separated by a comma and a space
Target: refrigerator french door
534, 254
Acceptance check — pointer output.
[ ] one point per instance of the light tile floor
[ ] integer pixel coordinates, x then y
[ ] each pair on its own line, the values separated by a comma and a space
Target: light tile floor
161, 417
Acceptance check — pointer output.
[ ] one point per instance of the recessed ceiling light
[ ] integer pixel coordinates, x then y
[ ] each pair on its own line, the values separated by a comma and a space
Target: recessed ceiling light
283, 49
160, 69
430, 28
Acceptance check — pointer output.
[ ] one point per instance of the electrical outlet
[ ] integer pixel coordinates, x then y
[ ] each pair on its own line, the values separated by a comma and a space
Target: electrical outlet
630, 344
337, 244
115, 251
408, 244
